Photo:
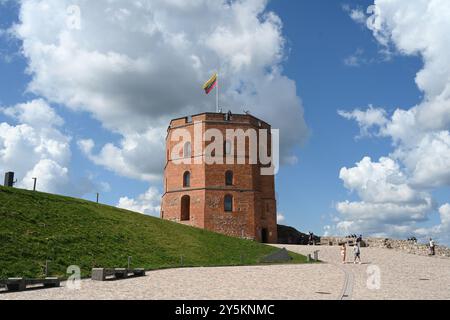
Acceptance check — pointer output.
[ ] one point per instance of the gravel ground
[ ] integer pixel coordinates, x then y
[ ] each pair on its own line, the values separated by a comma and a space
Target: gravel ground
402, 276
255, 282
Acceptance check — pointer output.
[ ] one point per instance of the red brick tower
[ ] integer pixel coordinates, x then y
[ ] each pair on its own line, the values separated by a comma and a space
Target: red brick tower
233, 199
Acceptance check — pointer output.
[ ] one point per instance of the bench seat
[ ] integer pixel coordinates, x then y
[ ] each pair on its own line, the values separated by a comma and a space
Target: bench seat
100, 274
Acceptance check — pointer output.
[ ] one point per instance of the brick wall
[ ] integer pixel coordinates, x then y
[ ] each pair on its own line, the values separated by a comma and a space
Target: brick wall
254, 205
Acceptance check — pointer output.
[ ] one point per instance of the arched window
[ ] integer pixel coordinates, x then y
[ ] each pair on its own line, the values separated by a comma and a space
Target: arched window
187, 150
187, 179
185, 208
228, 203
229, 178
227, 147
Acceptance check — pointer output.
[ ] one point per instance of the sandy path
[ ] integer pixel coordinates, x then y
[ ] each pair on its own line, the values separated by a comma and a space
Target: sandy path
253, 282
402, 276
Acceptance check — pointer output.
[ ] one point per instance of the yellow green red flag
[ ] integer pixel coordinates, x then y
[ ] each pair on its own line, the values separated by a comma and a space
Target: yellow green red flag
210, 84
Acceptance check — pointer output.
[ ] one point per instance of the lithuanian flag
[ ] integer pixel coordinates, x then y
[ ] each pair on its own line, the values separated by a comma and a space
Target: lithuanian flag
210, 84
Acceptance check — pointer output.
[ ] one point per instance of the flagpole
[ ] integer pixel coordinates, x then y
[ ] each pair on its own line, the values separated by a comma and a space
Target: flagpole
217, 93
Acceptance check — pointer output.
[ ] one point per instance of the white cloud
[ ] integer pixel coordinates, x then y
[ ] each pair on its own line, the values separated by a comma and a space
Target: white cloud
356, 14
356, 59
151, 65
380, 182
420, 161
387, 200
52, 177
138, 155
281, 218
367, 119
36, 113
429, 160
385, 212
444, 211
147, 203
35, 147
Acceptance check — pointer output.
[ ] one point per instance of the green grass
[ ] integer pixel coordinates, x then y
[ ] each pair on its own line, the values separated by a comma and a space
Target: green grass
35, 227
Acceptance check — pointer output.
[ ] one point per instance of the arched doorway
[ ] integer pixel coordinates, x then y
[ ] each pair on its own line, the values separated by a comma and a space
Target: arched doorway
264, 235
185, 208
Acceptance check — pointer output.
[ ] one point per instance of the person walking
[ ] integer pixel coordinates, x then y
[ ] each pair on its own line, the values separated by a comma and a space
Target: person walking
432, 247
310, 238
358, 240
343, 252
357, 254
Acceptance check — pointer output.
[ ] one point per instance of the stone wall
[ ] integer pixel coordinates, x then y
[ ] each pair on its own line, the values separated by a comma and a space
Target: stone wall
402, 245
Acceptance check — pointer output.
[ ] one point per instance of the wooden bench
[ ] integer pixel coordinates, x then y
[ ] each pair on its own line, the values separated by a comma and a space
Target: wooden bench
20, 284
100, 274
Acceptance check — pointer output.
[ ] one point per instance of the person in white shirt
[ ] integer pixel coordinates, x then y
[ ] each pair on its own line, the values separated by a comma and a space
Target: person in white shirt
357, 254
432, 247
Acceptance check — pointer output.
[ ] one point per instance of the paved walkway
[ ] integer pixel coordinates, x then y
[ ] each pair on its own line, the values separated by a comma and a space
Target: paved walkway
403, 276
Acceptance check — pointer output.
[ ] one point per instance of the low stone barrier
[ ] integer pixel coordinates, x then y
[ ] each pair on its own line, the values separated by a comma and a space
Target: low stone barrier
100, 274
21, 284
402, 245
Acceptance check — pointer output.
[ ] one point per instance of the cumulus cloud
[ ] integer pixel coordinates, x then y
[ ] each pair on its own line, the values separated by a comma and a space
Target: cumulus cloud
138, 156
147, 203
380, 182
281, 218
444, 211
35, 147
36, 113
387, 199
399, 185
151, 64
366, 119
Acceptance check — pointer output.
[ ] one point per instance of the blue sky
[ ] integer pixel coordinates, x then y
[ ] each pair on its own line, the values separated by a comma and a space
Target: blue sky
320, 38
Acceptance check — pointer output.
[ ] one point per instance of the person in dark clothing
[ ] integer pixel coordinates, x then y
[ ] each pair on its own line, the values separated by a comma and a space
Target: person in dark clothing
358, 240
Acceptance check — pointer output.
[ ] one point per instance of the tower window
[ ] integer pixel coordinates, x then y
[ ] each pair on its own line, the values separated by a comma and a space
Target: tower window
229, 178
228, 203
187, 179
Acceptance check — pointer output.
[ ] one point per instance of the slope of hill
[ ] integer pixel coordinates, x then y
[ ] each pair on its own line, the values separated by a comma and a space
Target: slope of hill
36, 227
290, 235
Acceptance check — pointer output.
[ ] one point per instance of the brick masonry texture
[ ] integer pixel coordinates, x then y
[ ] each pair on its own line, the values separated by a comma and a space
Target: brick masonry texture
253, 207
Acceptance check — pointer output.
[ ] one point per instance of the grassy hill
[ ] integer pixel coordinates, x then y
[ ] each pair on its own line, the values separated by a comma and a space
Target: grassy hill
35, 227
